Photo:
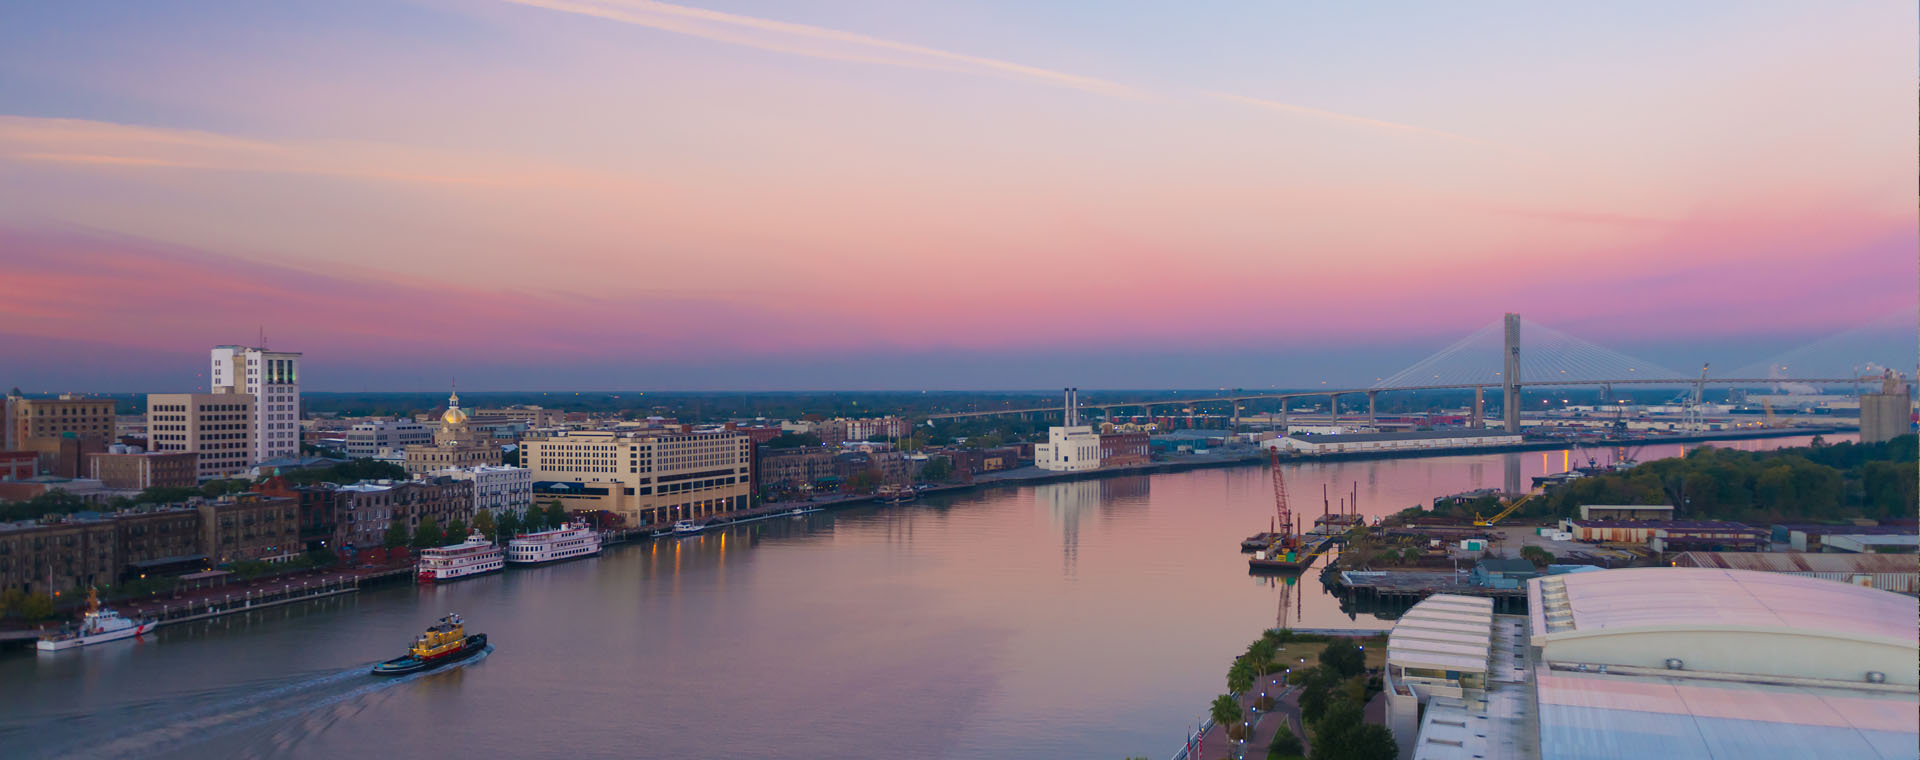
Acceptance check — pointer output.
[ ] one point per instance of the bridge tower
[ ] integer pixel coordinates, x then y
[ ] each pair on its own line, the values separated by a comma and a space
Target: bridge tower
1510, 378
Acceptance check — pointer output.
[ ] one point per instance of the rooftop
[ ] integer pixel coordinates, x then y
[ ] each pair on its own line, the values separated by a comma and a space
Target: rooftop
1417, 435
1670, 524
1718, 599
1799, 562
1444, 632
1593, 715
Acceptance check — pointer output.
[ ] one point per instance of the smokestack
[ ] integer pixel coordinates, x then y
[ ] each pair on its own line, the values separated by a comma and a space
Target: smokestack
1066, 407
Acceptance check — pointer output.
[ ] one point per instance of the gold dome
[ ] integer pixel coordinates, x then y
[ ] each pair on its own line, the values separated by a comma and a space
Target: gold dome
454, 415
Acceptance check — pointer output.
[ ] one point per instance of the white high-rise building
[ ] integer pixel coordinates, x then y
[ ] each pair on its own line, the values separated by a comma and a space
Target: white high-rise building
272, 378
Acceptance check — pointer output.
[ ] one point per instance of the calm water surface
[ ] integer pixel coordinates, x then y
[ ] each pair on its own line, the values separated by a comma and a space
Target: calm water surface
1076, 620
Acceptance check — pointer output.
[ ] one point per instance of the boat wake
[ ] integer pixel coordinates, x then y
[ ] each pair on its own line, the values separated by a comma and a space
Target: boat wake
317, 702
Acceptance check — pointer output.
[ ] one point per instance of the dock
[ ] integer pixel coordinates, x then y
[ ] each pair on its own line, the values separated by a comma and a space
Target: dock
1410, 586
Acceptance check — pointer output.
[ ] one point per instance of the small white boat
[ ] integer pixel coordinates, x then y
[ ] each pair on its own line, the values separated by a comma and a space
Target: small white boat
100, 625
687, 526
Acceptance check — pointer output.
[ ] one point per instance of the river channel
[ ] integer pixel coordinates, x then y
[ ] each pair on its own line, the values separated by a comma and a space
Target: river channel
1091, 619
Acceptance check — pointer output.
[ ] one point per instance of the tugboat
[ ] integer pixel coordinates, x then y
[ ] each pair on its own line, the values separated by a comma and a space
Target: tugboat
100, 625
444, 643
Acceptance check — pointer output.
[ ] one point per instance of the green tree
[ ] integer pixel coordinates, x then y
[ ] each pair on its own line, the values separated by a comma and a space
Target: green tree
1538, 556
1343, 734
322, 557
10, 600
396, 535
794, 441
1285, 745
510, 525
1317, 686
1343, 657
556, 513
484, 523
938, 469
36, 607
535, 519
428, 534
456, 532
1225, 711
864, 481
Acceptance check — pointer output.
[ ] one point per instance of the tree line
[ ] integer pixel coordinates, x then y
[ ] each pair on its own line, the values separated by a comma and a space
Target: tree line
1819, 482
429, 534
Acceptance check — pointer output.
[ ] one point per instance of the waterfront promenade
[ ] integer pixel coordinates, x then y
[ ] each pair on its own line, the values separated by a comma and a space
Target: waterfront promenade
1214, 744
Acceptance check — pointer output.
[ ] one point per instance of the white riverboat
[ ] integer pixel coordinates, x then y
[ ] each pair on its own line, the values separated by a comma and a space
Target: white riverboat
475, 556
684, 527
100, 625
569, 541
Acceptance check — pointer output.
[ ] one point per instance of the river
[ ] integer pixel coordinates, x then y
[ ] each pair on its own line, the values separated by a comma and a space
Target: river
1091, 619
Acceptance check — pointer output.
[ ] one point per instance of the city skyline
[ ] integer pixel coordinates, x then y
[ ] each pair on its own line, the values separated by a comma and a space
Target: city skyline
621, 195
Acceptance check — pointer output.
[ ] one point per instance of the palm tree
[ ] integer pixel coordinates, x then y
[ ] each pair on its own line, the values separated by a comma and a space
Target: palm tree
1240, 676
1261, 653
1226, 712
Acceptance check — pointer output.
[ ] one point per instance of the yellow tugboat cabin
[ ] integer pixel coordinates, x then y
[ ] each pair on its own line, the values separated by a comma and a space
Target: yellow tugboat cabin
447, 636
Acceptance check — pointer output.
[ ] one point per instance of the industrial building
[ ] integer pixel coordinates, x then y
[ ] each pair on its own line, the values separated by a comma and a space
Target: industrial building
1388, 442
1626, 511
1888, 572
1887, 414
1669, 535
1707, 663
1070, 447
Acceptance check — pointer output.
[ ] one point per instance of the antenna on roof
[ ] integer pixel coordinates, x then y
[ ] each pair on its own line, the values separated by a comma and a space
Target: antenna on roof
263, 337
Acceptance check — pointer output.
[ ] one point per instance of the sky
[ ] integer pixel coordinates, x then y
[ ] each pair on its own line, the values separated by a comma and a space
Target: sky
893, 194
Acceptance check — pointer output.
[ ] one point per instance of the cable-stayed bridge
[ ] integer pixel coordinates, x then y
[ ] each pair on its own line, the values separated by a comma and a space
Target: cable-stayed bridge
1490, 357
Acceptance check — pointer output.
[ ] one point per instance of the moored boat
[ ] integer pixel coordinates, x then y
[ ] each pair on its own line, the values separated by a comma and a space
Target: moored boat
443, 643
569, 541
685, 527
475, 556
895, 494
98, 626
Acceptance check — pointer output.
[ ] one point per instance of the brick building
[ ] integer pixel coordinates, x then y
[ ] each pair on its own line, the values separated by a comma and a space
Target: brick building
1120, 449
252, 527
142, 470
791, 470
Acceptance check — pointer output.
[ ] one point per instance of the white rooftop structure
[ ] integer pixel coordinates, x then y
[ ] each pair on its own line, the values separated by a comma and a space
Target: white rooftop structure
1716, 663
1444, 632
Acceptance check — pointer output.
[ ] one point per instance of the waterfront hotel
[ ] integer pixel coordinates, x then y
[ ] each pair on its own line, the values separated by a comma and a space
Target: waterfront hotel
652, 477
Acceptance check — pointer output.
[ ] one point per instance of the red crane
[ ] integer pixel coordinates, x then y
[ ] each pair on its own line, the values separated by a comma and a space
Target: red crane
1283, 515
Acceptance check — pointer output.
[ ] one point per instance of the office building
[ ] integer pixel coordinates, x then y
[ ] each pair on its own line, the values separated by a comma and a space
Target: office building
644, 477
497, 488
367, 439
60, 431
217, 426
272, 378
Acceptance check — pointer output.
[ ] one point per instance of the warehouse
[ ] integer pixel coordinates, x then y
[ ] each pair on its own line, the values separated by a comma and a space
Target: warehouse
1887, 572
1369, 442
